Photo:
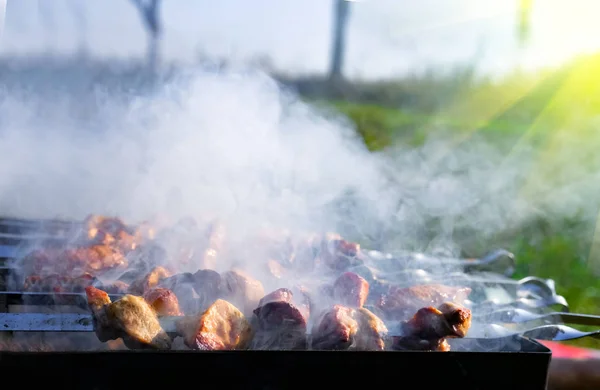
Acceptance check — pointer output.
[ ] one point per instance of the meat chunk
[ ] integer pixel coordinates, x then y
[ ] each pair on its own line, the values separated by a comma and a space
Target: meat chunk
163, 301
458, 317
209, 287
371, 331
343, 328
350, 290
336, 330
280, 324
97, 302
221, 327
242, 290
130, 318
110, 231
182, 285
339, 254
429, 326
400, 303
150, 280
95, 259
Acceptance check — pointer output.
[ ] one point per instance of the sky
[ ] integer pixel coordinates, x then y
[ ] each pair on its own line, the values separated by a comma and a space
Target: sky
386, 37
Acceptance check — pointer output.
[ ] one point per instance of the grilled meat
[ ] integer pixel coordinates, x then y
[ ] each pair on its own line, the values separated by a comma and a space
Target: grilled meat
399, 303
242, 290
336, 329
95, 259
110, 231
209, 286
97, 302
350, 290
346, 328
371, 331
279, 323
150, 280
182, 285
221, 327
163, 301
130, 318
58, 284
429, 326
339, 254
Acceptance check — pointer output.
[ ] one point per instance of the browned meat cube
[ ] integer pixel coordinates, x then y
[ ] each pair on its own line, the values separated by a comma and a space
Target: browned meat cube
221, 327
428, 323
209, 286
350, 290
97, 301
430, 326
242, 290
182, 285
163, 301
275, 269
399, 303
130, 318
279, 323
458, 317
339, 254
150, 280
371, 331
335, 330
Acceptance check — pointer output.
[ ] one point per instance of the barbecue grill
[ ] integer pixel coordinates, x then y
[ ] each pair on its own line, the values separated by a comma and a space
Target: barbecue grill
491, 357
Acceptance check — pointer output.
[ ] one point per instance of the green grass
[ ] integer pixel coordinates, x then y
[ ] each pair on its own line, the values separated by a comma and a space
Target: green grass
556, 112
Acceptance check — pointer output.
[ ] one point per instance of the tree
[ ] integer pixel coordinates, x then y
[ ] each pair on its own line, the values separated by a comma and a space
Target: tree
150, 12
524, 22
340, 23
78, 8
2, 16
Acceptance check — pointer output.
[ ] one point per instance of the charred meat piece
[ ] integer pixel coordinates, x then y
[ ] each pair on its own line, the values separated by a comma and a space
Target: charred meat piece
343, 328
350, 290
221, 327
97, 302
95, 260
339, 254
163, 301
110, 231
242, 290
130, 318
208, 285
279, 323
371, 331
430, 323
458, 317
336, 329
150, 280
430, 326
275, 269
399, 303
183, 287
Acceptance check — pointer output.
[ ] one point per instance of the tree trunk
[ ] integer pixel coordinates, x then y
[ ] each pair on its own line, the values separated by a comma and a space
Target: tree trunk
2, 17
78, 9
524, 22
150, 13
341, 13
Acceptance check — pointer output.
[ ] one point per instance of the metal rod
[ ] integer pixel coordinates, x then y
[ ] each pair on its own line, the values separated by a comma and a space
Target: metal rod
63, 322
